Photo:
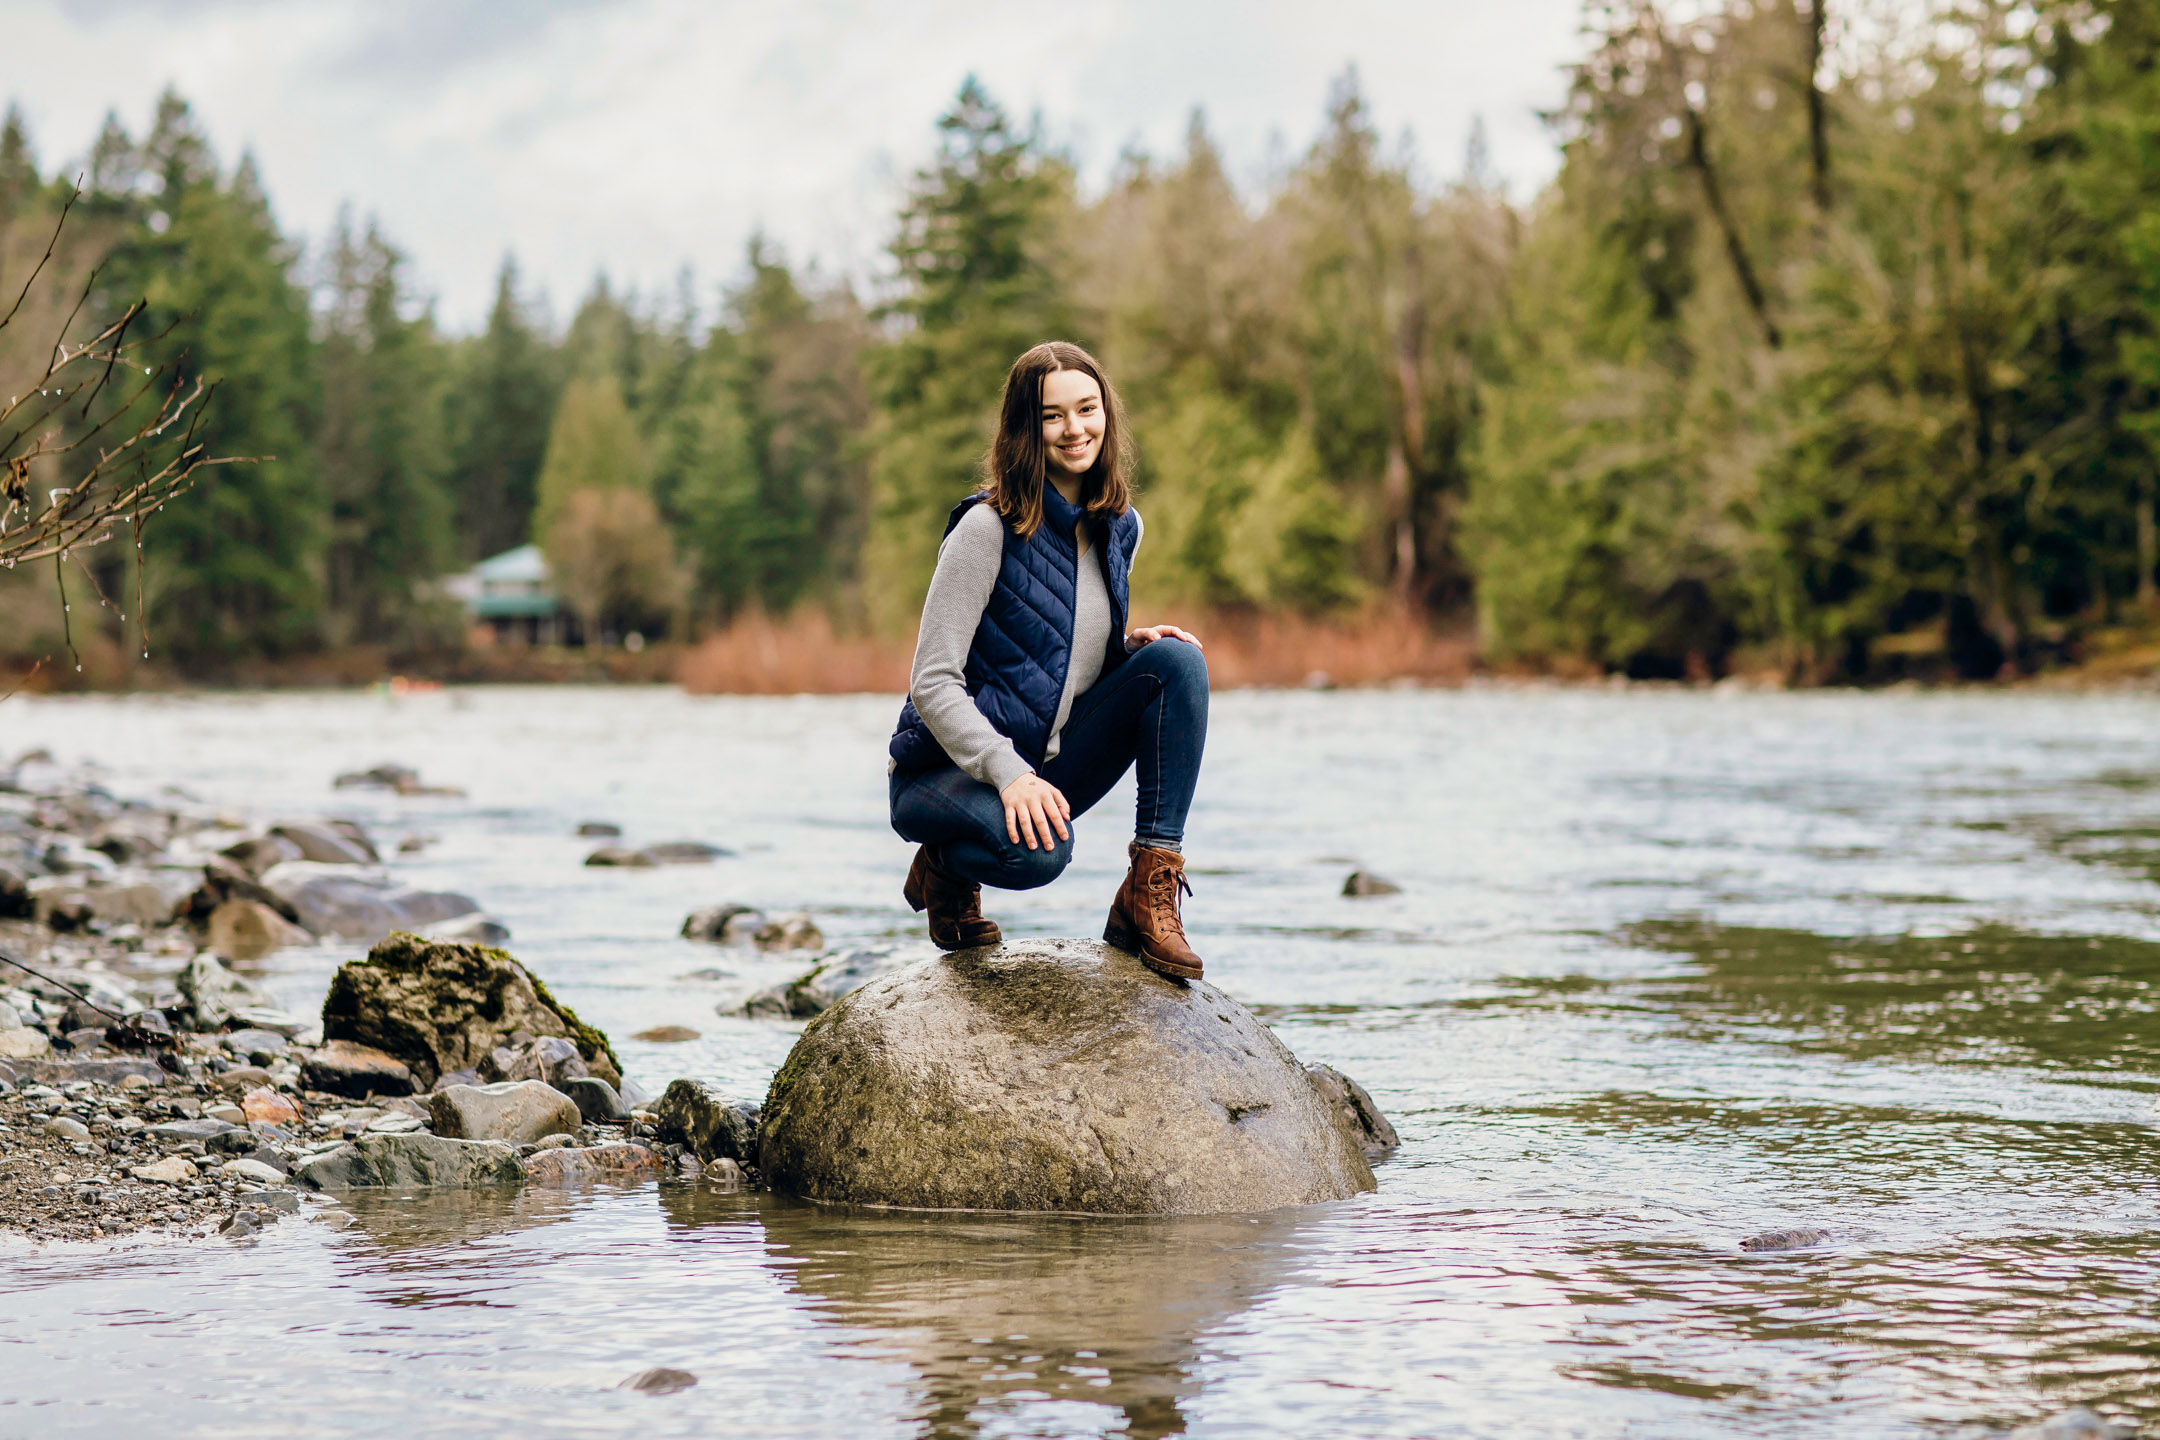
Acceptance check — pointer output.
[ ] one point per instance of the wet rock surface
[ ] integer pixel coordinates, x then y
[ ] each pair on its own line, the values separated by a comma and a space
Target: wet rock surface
566, 1166
148, 1083
703, 1119
417, 1160
1355, 1111
517, 1112
1050, 1075
440, 1007
817, 990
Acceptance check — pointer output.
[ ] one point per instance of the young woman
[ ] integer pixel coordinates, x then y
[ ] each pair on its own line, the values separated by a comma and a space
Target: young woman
1030, 697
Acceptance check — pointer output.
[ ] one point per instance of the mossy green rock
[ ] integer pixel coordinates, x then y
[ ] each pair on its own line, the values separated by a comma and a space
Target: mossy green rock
1050, 1075
441, 1007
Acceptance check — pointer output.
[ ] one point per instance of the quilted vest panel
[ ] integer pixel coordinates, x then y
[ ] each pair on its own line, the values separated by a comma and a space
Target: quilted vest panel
1022, 651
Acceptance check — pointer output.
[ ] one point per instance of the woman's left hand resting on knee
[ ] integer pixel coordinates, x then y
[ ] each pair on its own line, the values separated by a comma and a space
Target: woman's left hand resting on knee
1144, 634
1034, 805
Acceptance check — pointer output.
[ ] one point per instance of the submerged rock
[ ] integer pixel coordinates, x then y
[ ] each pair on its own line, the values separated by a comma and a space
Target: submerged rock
516, 1112
659, 1382
359, 905
616, 856
793, 932
411, 1160
1363, 883
684, 852
1355, 1112
2076, 1423
723, 924
666, 1035
817, 990
442, 1007
697, 1115
1050, 1075
1795, 1239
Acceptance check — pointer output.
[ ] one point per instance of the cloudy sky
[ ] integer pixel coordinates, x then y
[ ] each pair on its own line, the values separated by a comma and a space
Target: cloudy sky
635, 136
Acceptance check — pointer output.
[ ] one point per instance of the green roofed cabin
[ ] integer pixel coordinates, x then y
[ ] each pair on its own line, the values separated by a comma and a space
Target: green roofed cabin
514, 597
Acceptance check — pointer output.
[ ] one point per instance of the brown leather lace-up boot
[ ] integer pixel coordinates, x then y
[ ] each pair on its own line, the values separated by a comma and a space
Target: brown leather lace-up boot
1144, 917
955, 905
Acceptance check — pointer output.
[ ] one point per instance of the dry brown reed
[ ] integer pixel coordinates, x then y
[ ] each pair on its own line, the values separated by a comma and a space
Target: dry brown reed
802, 654
798, 654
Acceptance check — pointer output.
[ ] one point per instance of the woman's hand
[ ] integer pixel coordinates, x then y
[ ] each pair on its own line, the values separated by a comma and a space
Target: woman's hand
1035, 807
1147, 634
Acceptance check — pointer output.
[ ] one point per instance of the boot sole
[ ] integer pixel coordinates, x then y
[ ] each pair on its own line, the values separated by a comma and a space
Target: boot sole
1118, 937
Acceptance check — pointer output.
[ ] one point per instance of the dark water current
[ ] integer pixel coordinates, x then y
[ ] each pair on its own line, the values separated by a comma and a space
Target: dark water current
1669, 970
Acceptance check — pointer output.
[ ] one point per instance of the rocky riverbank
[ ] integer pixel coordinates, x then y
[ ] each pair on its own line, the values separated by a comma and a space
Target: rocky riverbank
146, 1084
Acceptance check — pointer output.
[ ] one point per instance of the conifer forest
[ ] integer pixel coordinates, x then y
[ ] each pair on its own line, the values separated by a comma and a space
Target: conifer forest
1832, 352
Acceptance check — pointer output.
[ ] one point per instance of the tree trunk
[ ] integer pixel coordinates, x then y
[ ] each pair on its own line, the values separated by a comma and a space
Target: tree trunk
1818, 138
1735, 246
1408, 449
2148, 545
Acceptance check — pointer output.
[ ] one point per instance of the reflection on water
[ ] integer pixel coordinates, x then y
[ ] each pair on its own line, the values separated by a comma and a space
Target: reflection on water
1667, 971
1002, 1317
1991, 994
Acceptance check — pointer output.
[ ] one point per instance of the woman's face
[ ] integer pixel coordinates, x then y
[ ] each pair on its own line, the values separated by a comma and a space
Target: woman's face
1072, 420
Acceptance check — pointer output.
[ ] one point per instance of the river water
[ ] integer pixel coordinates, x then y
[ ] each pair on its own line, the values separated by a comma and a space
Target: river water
1668, 969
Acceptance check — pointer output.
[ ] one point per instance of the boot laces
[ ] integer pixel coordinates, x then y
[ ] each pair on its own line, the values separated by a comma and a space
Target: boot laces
1164, 886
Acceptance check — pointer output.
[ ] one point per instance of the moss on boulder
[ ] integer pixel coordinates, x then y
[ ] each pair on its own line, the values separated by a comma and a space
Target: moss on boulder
1051, 1075
441, 1007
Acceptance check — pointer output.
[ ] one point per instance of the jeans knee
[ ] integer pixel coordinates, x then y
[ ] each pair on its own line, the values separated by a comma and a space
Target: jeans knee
1177, 662
1027, 869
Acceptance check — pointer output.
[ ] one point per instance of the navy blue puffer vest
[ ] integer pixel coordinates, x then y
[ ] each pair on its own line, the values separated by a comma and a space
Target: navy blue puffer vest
1022, 650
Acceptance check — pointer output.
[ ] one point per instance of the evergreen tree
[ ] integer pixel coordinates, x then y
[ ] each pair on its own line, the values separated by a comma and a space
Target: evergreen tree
379, 445
234, 566
501, 400
978, 283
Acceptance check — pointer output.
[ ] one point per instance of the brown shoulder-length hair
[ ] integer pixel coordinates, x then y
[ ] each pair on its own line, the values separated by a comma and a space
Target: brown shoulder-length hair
1016, 469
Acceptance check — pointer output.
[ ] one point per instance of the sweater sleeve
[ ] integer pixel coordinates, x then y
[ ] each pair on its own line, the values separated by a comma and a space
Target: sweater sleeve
967, 571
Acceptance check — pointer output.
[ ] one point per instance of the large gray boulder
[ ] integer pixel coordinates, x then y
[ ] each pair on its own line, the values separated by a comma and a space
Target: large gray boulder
411, 1160
440, 1008
1051, 1075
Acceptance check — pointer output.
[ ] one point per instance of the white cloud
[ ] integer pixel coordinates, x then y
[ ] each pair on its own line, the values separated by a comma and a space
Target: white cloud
642, 135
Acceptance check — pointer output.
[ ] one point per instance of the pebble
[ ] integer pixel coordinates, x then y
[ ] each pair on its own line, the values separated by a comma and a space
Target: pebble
172, 1170
255, 1170
266, 1106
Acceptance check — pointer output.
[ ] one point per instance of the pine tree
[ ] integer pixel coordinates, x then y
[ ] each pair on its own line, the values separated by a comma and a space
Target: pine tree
978, 281
379, 445
233, 567
500, 402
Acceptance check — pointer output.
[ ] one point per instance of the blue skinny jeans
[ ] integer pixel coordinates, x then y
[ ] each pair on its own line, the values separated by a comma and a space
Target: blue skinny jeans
1149, 713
